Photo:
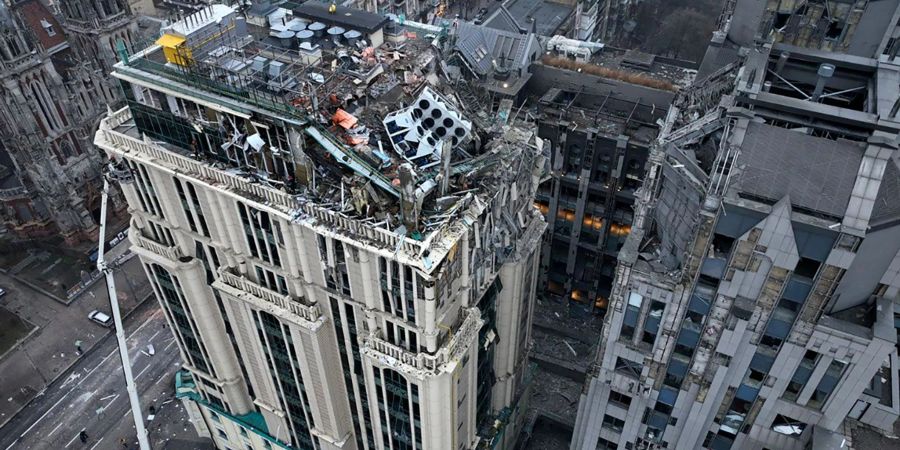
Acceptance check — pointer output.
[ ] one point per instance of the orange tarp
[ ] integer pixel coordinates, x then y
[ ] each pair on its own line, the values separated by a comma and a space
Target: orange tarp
344, 119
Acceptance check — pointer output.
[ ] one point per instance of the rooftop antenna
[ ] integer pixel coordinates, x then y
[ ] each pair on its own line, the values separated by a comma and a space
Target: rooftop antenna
107, 271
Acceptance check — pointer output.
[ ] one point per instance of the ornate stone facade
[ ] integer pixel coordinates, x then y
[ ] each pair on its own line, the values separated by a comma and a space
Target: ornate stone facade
55, 89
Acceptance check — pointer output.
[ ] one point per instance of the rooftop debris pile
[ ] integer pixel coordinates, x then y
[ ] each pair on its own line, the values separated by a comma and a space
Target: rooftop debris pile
606, 72
365, 123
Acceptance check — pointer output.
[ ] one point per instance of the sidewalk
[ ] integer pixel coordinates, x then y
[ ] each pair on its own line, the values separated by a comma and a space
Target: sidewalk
49, 351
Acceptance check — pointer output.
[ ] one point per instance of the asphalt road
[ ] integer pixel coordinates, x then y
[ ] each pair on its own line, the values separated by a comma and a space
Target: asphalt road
92, 396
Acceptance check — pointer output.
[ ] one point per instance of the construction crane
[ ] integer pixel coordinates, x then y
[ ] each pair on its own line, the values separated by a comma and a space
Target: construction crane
121, 174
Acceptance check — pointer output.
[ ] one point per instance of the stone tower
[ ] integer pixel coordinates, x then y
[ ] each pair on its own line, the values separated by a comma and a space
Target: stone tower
95, 27
49, 170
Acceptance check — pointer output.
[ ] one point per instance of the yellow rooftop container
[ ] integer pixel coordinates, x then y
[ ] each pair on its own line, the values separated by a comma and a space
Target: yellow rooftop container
174, 49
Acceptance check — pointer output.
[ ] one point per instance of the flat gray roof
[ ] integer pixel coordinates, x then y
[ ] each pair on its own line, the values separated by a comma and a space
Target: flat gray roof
351, 18
548, 16
817, 173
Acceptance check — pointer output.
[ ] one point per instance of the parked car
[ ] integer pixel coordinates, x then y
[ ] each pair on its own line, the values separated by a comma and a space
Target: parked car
101, 317
2, 292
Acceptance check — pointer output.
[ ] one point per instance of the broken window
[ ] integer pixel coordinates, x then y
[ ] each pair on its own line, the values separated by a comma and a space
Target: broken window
628, 368
631, 316
827, 384
835, 30
651, 324
780, 20
259, 232
880, 385
613, 423
788, 426
619, 399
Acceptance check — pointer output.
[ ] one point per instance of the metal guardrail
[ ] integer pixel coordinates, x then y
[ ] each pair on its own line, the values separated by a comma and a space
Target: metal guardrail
203, 83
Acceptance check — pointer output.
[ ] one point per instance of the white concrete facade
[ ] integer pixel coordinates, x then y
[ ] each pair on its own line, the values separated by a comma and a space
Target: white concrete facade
306, 329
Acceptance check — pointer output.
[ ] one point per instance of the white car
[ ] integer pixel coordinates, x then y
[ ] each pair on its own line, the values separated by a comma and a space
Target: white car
2, 292
101, 317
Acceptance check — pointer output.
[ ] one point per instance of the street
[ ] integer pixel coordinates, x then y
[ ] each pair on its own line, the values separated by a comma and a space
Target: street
92, 397
50, 349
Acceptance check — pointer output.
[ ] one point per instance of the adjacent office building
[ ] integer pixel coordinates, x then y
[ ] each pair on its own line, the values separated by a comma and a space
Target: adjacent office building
345, 259
599, 131
754, 300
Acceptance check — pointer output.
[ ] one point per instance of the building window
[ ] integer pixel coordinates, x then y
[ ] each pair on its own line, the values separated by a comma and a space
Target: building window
395, 395
801, 375
651, 324
788, 426
628, 368
880, 385
215, 417
260, 234
621, 400
145, 190
222, 434
180, 316
603, 444
632, 311
281, 357
827, 384
243, 431
271, 280
613, 423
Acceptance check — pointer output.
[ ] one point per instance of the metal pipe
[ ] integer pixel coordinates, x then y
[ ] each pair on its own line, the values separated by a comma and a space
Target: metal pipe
826, 71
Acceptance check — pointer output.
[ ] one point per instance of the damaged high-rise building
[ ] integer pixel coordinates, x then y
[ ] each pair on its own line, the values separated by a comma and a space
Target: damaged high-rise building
598, 130
346, 252
754, 301
55, 91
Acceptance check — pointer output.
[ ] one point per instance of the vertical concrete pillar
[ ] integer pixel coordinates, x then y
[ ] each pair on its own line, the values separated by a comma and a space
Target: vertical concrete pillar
198, 295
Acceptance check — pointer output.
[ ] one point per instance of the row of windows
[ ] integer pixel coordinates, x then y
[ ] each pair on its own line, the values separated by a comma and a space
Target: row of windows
146, 192
400, 289
209, 133
180, 316
264, 237
283, 364
190, 203
401, 426
353, 372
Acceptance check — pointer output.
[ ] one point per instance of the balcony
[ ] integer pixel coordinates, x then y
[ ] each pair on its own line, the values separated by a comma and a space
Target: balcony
418, 363
247, 287
172, 253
